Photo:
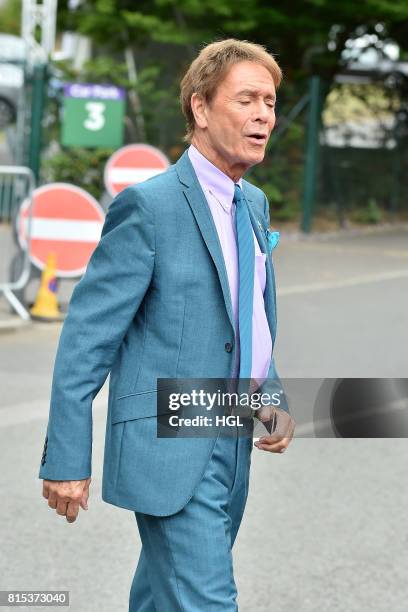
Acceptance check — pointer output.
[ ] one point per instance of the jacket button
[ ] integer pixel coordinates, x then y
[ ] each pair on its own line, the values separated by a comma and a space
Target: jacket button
228, 347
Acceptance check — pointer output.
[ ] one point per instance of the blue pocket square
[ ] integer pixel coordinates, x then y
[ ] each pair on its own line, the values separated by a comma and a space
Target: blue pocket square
273, 239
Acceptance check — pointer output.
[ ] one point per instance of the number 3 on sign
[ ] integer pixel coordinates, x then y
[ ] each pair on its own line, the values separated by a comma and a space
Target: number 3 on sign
95, 120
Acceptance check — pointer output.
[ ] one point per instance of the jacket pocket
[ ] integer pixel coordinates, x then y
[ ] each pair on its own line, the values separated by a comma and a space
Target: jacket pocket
138, 406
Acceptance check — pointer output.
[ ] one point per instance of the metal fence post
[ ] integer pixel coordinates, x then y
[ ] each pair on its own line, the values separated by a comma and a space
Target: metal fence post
17, 184
37, 110
312, 146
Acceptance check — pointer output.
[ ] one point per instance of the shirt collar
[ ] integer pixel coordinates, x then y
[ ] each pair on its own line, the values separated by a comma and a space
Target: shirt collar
212, 178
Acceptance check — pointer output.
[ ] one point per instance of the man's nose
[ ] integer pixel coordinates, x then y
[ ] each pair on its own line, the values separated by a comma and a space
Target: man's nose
262, 112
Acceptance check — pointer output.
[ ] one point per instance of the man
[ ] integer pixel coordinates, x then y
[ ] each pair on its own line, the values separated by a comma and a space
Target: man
181, 285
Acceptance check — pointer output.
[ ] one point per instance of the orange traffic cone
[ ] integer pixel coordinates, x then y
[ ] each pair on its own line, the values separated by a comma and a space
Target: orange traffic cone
46, 305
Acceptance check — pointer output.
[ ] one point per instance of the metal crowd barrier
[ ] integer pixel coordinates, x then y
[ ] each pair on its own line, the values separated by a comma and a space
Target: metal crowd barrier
17, 184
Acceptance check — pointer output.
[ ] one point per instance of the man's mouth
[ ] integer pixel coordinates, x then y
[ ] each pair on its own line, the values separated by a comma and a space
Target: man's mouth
258, 139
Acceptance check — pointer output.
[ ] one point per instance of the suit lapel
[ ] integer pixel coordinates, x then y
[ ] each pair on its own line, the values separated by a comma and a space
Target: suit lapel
199, 206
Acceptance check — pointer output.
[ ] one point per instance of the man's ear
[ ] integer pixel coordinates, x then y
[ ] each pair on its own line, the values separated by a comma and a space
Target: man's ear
198, 107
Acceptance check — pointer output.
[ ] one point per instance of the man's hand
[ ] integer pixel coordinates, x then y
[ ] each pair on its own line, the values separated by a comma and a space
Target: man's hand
65, 496
280, 424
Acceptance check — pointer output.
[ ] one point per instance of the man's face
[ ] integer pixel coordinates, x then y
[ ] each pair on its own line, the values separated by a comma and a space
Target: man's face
238, 121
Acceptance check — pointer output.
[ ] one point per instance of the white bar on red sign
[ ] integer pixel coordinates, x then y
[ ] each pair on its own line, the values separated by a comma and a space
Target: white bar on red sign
132, 175
64, 229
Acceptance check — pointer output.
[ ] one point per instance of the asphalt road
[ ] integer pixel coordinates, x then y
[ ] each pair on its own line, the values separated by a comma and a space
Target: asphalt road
326, 524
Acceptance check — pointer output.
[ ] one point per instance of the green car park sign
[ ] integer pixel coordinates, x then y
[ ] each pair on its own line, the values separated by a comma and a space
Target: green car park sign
93, 115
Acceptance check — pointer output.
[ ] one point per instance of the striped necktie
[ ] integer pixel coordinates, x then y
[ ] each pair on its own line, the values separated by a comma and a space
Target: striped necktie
246, 263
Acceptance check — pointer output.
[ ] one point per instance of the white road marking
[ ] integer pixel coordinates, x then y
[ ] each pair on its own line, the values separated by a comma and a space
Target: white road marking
347, 282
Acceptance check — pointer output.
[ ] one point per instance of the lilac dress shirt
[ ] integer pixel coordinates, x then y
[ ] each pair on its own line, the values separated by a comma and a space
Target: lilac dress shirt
218, 189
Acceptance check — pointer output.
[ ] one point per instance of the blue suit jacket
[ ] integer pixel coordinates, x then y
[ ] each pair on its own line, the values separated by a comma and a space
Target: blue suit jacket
154, 302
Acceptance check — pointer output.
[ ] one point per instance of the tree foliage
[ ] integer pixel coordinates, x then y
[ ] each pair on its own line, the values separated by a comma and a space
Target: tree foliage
298, 31
10, 17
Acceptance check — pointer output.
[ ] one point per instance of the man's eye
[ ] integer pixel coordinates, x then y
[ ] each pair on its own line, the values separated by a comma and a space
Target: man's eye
244, 101
270, 104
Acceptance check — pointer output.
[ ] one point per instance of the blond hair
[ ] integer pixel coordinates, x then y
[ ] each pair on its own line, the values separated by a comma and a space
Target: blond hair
210, 66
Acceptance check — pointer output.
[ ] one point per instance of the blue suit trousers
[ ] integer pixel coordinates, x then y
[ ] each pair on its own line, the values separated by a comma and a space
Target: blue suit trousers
186, 560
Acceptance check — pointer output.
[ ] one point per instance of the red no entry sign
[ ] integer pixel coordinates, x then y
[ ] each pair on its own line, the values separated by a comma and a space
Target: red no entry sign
133, 164
67, 221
